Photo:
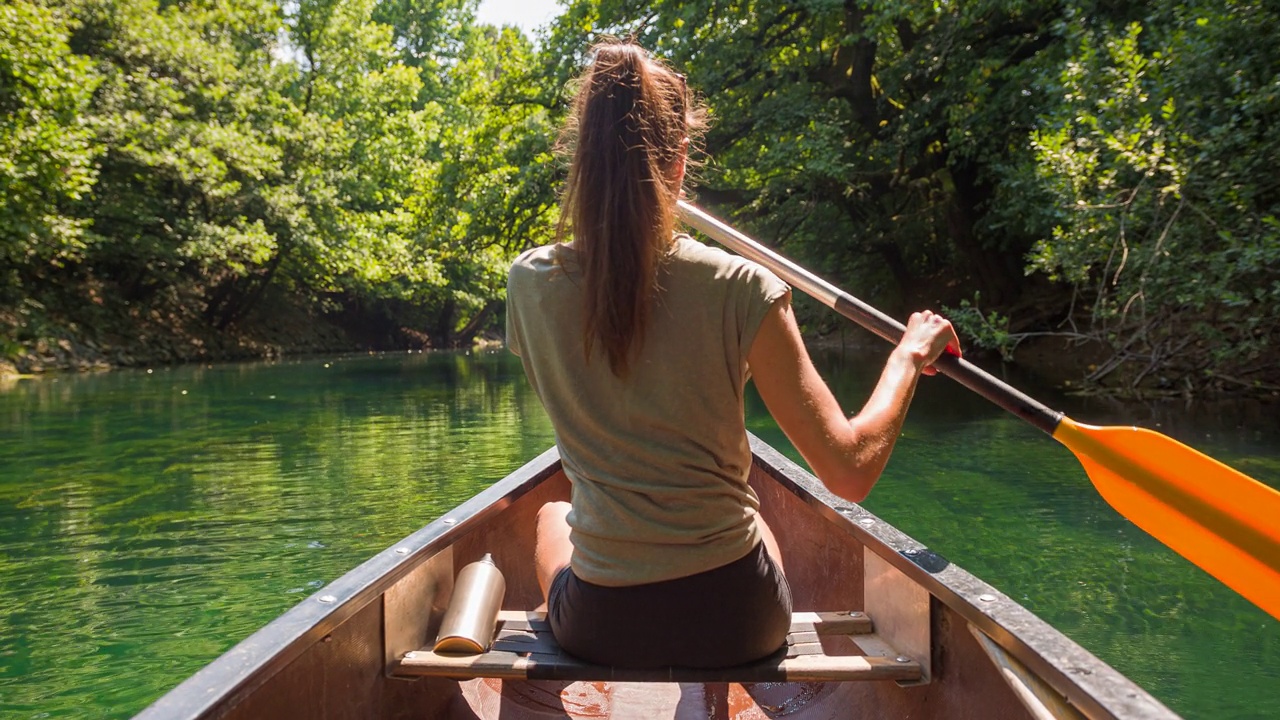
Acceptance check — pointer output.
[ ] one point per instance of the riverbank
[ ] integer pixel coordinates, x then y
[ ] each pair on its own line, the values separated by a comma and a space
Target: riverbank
36, 338
93, 336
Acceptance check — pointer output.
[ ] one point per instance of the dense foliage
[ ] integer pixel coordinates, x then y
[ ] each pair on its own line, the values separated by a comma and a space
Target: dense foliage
1094, 179
205, 155
1095, 173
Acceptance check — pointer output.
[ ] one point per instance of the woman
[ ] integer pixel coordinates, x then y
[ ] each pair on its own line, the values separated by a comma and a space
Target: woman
639, 343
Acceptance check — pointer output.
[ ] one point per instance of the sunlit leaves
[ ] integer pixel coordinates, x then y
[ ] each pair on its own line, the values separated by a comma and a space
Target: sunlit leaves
394, 154
46, 153
357, 150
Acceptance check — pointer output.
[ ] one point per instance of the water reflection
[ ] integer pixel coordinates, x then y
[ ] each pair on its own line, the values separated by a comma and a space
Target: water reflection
1013, 506
148, 521
151, 520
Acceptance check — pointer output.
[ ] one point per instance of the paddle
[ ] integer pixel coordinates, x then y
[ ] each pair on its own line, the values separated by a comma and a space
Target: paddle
1217, 517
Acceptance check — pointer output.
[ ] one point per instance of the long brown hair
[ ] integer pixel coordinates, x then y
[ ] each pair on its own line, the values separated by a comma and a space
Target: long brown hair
631, 121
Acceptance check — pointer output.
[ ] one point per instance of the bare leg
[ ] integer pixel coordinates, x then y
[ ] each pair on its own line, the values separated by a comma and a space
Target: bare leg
551, 546
771, 543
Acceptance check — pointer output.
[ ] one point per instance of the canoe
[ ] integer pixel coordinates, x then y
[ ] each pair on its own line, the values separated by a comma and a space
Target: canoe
915, 635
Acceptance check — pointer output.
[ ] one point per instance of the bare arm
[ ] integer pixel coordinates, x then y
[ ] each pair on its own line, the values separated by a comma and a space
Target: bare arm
847, 454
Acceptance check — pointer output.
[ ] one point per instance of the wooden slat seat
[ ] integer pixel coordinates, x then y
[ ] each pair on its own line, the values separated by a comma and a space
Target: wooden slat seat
526, 650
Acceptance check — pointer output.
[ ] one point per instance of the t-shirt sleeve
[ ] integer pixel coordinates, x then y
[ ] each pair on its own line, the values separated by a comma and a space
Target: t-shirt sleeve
758, 292
513, 310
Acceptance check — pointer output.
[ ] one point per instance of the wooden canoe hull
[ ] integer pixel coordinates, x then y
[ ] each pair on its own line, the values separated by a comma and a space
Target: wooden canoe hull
329, 656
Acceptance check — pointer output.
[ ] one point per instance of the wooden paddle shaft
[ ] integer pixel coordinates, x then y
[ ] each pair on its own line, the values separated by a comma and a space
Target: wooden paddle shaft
958, 369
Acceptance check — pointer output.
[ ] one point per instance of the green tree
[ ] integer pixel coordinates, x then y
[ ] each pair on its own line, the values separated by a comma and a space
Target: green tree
949, 150
861, 134
494, 194
183, 119
47, 152
1160, 163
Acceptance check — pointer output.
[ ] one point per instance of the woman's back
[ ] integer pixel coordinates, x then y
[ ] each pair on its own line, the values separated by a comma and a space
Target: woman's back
638, 346
659, 457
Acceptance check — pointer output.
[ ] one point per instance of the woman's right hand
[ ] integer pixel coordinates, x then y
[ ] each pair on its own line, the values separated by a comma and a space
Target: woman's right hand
928, 335
847, 454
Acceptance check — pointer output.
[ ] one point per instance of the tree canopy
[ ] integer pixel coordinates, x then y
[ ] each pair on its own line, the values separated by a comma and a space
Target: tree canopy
1091, 174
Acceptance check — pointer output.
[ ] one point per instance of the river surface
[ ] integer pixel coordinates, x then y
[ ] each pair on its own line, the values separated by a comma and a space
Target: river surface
151, 519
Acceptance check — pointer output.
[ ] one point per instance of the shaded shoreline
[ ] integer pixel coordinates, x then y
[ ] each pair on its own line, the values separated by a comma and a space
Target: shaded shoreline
297, 333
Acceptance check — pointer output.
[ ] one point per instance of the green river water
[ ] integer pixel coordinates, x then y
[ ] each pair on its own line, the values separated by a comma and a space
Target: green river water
151, 519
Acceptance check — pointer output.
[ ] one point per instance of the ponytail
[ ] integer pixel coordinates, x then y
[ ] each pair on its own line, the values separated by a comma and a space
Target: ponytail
629, 129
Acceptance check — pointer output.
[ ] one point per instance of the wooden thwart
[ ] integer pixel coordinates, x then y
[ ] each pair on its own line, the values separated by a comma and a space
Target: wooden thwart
526, 650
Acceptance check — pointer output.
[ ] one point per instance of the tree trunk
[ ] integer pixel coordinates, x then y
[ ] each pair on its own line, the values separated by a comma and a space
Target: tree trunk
990, 269
236, 308
468, 333
897, 266
442, 333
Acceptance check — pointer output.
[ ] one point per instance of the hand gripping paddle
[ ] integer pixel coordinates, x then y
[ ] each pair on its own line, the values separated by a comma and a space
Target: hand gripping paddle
1215, 516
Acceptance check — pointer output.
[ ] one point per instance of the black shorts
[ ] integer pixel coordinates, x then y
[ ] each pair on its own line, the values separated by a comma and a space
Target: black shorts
727, 616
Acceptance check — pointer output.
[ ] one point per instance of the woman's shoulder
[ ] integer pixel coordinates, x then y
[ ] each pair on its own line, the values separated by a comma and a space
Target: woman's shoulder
536, 256
539, 261
715, 262
688, 251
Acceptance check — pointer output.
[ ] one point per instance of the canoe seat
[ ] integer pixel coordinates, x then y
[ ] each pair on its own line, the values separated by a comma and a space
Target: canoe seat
525, 650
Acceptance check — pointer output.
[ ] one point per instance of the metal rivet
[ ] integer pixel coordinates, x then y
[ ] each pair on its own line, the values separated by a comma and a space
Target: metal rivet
903, 659
987, 597
326, 599
402, 551
855, 614
867, 521
449, 521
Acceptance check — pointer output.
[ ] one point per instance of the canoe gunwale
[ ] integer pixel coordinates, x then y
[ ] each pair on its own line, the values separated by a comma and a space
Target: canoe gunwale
1092, 686
255, 659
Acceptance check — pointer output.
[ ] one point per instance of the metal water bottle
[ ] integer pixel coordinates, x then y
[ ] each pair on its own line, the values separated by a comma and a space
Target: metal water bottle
469, 622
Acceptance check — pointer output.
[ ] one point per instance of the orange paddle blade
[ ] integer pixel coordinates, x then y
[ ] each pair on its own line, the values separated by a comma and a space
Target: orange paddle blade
1215, 516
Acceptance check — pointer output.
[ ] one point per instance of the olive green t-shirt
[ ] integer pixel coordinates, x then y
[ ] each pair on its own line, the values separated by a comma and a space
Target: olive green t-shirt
658, 461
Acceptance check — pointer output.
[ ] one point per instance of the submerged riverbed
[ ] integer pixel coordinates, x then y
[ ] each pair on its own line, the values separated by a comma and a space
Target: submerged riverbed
151, 519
